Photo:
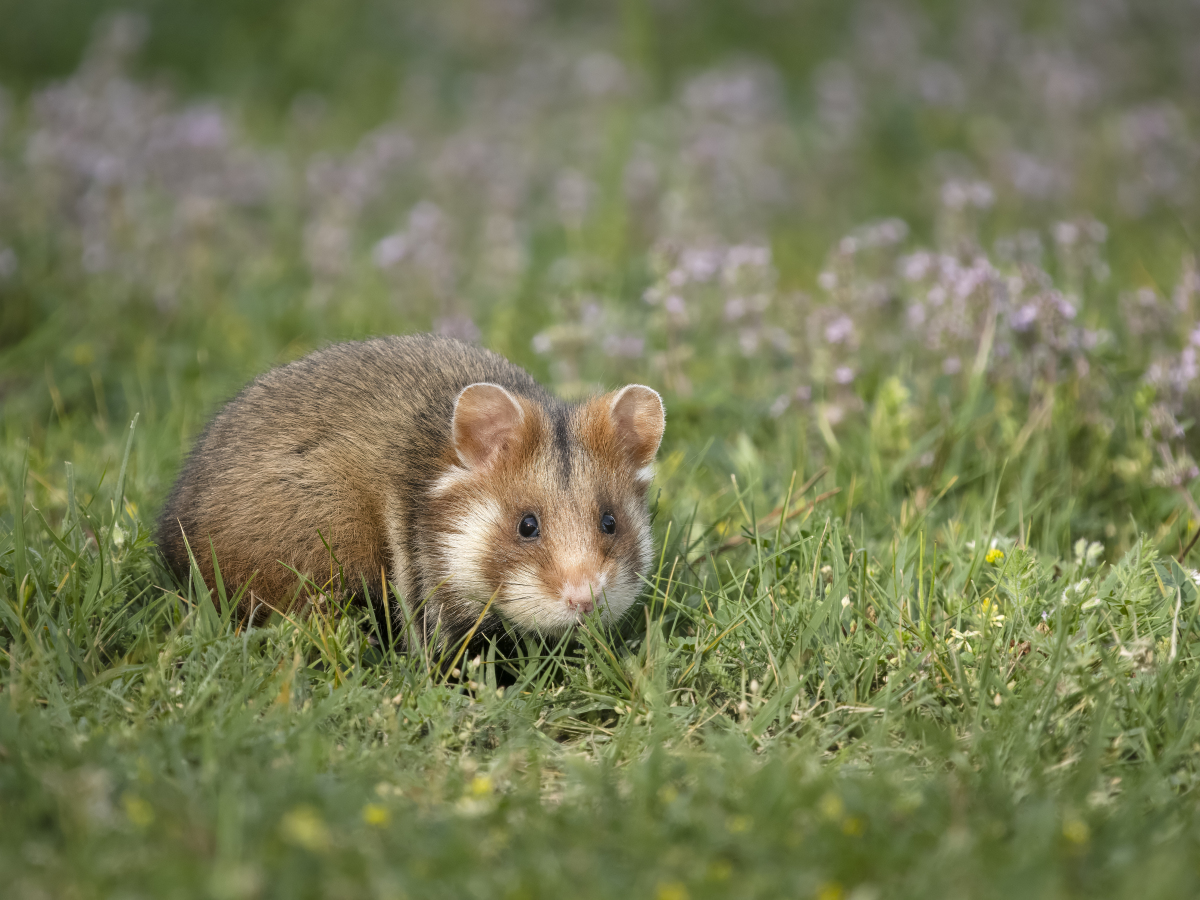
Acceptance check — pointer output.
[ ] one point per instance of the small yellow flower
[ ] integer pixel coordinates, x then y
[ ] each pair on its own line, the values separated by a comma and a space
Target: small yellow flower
672, 890
995, 556
720, 870
376, 815
830, 891
738, 824
991, 611
1076, 830
481, 786
831, 806
83, 355
138, 811
304, 826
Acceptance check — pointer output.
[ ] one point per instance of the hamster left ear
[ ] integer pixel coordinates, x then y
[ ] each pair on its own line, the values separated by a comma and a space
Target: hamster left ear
638, 417
487, 422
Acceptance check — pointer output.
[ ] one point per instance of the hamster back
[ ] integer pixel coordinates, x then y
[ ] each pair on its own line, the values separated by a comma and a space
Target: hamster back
436, 464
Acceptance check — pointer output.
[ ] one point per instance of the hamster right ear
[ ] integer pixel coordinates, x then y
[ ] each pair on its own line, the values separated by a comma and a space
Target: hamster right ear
487, 421
639, 418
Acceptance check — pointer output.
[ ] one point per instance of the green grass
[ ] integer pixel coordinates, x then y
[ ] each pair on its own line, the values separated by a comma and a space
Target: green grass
931, 631
803, 716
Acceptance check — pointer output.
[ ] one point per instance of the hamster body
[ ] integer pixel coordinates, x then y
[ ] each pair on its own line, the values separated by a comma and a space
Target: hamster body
435, 463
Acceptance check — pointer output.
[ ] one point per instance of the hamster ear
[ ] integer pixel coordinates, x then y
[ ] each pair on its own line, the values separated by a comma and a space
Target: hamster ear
638, 418
487, 421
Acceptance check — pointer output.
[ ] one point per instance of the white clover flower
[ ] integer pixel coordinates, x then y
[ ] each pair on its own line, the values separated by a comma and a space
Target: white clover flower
1082, 592
1088, 553
963, 638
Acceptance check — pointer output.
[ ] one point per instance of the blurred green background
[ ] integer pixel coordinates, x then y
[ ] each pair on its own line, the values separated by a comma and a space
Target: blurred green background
211, 188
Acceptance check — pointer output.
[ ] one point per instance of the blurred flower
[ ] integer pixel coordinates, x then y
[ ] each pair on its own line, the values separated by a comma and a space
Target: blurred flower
696, 264
327, 248
839, 331
376, 815
8, 263
629, 346
838, 105
958, 195
390, 250
573, 194
460, 327
600, 74
940, 85
304, 826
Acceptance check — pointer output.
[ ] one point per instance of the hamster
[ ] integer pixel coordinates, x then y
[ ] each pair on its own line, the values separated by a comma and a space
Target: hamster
435, 463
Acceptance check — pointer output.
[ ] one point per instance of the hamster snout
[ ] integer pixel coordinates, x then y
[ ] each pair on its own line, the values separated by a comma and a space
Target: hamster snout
583, 596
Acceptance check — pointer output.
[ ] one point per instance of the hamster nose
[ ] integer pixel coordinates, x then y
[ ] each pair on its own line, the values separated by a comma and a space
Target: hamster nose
581, 596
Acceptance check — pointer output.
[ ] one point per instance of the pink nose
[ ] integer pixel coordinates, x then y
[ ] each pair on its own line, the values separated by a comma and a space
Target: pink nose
580, 596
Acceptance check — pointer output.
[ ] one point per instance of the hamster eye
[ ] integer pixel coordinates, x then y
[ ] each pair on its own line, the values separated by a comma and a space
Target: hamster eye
607, 523
529, 526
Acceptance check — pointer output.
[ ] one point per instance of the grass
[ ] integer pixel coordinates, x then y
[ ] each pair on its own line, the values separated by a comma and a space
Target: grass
931, 631
799, 714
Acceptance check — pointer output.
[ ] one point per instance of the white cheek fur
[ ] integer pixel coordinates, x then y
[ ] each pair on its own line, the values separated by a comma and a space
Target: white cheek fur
452, 478
464, 544
646, 548
395, 537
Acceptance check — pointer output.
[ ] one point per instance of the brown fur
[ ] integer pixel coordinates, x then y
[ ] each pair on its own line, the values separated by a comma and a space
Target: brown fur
361, 443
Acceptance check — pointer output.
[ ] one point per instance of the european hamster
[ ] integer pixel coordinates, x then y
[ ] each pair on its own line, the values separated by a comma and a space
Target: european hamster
436, 462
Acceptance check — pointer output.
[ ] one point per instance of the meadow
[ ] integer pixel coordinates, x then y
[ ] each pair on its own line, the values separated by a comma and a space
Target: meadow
918, 283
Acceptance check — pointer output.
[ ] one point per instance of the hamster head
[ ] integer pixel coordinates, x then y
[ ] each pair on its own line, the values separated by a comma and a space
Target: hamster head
543, 508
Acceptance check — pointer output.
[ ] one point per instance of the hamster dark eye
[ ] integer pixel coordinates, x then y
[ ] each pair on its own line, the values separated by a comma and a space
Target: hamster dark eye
529, 527
607, 523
